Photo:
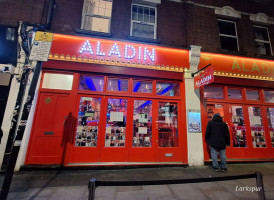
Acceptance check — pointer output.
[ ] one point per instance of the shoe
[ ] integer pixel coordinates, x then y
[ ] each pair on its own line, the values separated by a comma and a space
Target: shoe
217, 169
224, 169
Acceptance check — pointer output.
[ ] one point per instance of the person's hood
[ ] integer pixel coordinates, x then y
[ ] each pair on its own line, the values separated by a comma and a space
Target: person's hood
217, 118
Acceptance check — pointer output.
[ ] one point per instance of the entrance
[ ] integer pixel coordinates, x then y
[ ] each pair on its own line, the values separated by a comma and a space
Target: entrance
126, 130
47, 140
248, 126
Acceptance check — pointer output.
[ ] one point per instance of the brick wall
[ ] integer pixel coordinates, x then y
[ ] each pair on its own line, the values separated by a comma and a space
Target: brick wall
178, 24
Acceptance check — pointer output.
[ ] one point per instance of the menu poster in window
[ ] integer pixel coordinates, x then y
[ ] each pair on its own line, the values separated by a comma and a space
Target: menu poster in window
255, 120
116, 116
142, 130
194, 121
143, 118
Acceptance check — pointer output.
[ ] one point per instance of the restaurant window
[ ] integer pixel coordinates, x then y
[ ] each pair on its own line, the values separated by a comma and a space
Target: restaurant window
115, 84
252, 95
143, 21
142, 86
270, 117
52, 81
167, 89
269, 96
93, 83
211, 92
96, 15
228, 35
262, 41
234, 93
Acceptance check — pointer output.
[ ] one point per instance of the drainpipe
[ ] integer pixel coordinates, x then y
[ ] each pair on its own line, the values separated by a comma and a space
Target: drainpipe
50, 14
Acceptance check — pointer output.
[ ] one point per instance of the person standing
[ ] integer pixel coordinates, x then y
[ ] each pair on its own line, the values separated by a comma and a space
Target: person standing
218, 138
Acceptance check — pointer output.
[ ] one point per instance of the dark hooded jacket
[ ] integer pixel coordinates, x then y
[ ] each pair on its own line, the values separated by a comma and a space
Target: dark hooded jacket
217, 133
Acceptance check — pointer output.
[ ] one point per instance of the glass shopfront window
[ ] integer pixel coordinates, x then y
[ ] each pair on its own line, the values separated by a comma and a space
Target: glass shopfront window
211, 92
92, 83
252, 95
270, 117
116, 123
168, 124
238, 129
167, 89
256, 124
142, 86
120, 85
234, 93
269, 96
88, 120
142, 123
213, 109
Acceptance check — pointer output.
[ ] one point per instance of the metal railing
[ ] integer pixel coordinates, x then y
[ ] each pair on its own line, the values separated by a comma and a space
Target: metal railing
93, 183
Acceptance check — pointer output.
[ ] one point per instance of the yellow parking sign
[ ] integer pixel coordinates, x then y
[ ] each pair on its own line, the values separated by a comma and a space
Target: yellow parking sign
43, 36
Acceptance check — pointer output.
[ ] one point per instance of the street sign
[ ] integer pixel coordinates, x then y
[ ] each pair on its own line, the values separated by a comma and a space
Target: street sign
41, 46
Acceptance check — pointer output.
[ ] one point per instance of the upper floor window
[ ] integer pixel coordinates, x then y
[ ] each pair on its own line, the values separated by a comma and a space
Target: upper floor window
143, 21
228, 35
262, 41
96, 15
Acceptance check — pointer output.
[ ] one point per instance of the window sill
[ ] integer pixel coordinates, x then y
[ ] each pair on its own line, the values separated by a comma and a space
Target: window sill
88, 32
264, 56
241, 53
139, 39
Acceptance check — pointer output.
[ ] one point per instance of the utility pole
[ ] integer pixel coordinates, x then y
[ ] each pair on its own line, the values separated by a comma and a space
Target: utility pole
18, 125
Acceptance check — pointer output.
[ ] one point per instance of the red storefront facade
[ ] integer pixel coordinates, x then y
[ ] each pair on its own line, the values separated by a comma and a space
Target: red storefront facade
104, 102
243, 94
123, 104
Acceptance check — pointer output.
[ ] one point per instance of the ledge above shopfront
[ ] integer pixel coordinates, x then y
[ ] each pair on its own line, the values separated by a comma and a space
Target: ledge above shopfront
238, 67
118, 53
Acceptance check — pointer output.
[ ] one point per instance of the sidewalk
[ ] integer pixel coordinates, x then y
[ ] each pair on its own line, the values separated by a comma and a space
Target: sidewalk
73, 184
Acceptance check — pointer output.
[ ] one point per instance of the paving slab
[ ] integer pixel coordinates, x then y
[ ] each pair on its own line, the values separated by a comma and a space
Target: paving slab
73, 184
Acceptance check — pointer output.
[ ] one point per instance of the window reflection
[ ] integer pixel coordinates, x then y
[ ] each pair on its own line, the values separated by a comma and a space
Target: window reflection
252, 95
118, 84
142, 123
88, 120
142, 86
211, 92
257, 129
93, 83
167, 89
234, 93
269, 96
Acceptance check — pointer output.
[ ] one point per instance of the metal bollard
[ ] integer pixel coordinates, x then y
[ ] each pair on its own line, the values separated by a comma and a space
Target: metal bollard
260, 184
92, 188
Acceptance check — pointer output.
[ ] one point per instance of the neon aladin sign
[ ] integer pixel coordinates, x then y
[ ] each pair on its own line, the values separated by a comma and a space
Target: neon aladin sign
121, 51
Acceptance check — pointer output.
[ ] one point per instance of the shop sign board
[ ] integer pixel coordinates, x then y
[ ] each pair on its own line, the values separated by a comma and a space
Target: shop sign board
41, 46
204, 78
83, 49
228, 65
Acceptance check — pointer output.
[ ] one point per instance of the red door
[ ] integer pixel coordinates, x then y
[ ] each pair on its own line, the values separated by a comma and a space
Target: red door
115, 136
142, 131
46, 145
84, 148
170, 140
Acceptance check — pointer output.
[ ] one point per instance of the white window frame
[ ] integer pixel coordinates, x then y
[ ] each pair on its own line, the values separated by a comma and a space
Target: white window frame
231, 36
84, 14
148, 23
264, 41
